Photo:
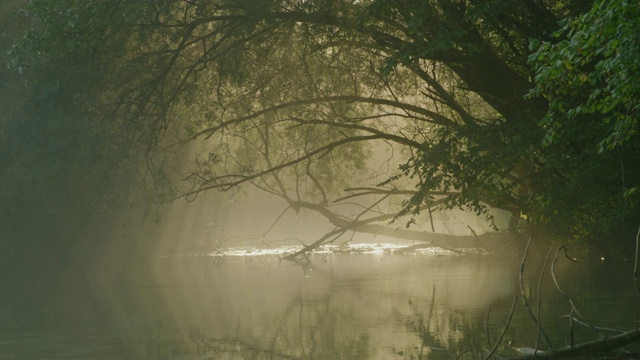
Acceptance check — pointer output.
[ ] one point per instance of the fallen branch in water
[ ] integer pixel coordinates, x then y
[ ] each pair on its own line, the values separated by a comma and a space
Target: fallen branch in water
590, 347
606, 344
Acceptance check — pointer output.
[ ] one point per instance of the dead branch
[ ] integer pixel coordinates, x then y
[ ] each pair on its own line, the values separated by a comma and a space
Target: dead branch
486, 327
590, 347
555, 280
460, 354
335, 233
504, 330
597, 328
360, 191
571, 337
480, 241
316, 244
524, 297
544, 267
229, 181
635, 267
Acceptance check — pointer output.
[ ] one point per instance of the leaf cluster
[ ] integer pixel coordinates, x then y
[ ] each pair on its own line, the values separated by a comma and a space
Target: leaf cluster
589, 73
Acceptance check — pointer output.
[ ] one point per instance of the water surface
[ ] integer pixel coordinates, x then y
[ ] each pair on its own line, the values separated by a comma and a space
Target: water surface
374, 304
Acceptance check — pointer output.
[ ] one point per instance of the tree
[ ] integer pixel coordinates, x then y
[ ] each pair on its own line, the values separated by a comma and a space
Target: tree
295, 97
61, 169
587, 74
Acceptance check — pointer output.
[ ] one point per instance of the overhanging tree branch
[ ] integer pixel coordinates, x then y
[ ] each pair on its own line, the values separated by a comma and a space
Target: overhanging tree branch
215, 183
435, 117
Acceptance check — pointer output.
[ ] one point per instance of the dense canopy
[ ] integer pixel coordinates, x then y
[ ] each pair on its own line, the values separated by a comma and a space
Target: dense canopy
362, 111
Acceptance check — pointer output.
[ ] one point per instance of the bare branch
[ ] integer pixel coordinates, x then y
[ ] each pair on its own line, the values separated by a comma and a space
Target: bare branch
524, 297
382, 191
504, 329
635, 266
435, 117
216, 182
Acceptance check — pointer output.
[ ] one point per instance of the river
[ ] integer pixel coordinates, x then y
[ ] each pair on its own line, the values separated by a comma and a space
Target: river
370, 304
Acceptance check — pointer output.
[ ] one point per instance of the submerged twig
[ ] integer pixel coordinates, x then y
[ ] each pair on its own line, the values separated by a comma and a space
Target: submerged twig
598, 328
571, 329
574, 309
486, 327
555, 281
606, 344
504, 330
433, 303
461, 353
635, 266
524, 297
544, 267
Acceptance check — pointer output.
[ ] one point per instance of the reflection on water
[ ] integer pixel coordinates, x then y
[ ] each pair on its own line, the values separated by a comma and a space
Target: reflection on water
371, 305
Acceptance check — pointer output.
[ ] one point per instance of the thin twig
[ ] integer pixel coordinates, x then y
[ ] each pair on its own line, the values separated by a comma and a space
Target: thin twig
590, 347
635, 267
570, 300
486, 327
504, 330
555, 281
460, 354
430, 210
598, 328
571, 329
524, 296
433, 303
480, 241
544, 267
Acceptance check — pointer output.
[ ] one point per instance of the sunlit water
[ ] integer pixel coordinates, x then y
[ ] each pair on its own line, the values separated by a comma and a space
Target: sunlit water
369, 302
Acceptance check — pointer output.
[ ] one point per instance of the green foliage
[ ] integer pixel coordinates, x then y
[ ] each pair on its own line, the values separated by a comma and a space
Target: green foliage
62, 166
478, 163
588, 75
431, 28
591, 73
